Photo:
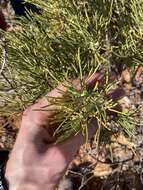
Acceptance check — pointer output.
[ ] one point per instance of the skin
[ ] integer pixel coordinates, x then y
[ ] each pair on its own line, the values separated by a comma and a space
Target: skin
36, 162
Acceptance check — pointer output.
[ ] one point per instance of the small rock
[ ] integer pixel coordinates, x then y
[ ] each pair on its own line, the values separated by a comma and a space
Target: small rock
102, 169
126, 76
65, 184
125, 102
134, 82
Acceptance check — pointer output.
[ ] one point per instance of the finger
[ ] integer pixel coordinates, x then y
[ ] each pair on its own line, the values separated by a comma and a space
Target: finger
71, 146
100, 78
62, 88
48, 109
91, 80
116, 94
44, 111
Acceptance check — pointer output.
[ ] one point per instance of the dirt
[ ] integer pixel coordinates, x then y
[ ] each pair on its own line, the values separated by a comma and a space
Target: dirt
114, 168
118, 167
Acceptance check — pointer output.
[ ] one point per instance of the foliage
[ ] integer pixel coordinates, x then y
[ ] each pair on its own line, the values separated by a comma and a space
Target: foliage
66, 40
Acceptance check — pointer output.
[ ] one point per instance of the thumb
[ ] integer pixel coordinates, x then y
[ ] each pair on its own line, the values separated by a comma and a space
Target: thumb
71, 146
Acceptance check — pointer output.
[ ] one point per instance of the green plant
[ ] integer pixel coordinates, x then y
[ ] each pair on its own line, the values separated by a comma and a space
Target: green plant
71, 39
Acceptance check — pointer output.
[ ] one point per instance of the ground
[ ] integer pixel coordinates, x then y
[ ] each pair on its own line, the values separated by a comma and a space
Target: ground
114, 168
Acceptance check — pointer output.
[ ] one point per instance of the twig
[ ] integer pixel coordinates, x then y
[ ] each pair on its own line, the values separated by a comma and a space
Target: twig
4, 56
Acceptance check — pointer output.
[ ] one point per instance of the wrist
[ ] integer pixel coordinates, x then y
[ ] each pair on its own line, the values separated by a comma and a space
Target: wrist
23, 184
30, 179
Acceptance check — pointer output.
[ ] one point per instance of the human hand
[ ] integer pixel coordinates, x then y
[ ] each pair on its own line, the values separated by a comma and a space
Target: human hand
36, 162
